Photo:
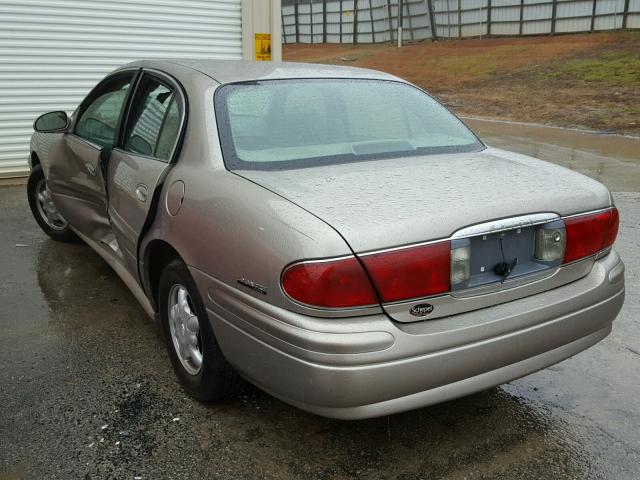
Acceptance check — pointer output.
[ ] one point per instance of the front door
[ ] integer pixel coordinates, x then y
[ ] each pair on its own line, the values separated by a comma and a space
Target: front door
76, 177
137, 167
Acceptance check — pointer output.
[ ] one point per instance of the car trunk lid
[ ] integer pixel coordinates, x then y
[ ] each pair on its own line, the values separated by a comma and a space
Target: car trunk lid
381, 205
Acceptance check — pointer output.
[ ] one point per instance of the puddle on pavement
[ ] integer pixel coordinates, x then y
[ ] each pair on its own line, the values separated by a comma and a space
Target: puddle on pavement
611, 159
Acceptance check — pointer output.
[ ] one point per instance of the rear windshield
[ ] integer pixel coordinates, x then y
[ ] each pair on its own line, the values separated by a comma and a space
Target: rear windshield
284, 124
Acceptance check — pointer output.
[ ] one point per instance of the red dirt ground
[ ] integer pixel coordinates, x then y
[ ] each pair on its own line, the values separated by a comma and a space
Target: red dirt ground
588, 80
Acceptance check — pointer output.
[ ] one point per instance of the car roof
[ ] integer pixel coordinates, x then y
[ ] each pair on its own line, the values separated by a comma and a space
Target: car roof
229, 71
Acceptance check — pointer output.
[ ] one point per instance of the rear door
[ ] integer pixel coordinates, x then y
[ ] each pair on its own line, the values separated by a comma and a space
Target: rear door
137, 167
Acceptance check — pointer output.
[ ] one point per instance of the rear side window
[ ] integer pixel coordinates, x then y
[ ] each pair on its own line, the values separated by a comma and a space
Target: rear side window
169, 132
99, 120
154, 120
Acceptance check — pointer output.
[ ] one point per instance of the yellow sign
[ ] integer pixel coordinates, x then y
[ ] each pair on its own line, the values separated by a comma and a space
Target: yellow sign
263, 46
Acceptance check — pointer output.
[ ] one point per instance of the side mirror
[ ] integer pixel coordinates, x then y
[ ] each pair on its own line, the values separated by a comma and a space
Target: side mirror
51, 122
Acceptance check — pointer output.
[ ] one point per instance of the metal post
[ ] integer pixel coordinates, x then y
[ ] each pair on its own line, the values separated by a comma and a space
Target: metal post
625, 14
432, 23
295, 12
311, 19
521, 16
488, 18
390, 21
340, 21
355, 21
553, 16
593, 15
400, 14
324, 21
459, 19
409, 20
373, 32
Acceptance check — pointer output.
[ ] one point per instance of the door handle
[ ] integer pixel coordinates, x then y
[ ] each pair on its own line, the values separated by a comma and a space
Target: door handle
142, 192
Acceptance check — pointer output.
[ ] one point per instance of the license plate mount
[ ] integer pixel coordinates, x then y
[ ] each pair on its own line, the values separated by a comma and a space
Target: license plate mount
514, 247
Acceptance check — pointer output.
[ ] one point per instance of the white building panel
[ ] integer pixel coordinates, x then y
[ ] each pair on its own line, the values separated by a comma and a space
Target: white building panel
53, 51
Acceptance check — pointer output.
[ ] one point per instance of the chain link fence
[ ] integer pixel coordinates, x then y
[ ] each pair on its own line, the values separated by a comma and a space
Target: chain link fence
376, 21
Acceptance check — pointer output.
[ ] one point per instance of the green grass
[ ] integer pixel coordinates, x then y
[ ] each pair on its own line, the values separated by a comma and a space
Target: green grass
477, 65
620, 69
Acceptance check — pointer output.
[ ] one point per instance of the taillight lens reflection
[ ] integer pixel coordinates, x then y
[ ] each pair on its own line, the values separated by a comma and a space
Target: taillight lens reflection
338, 283
589, 234
411, 272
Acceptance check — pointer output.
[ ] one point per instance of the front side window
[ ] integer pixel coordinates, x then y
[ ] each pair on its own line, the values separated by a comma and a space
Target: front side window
154, 121
98, 122
281, 124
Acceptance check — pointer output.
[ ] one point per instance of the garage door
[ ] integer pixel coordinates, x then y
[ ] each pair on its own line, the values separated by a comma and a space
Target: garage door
53, 51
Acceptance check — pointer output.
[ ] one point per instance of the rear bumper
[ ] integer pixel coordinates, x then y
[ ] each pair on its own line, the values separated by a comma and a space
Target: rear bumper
370, 366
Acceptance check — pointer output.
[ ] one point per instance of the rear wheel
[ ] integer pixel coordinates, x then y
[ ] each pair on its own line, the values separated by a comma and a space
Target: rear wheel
44, 210
193, 349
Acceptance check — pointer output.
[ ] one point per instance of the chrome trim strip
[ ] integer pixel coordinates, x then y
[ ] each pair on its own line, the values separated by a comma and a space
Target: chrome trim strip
362, 309
604, 252
403, 247
592, 212
319, 260
504, 224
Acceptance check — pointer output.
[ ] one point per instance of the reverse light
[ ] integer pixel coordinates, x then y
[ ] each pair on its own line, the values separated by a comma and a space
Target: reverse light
411, 272
460, 263
550, 242
338, 283
591, 233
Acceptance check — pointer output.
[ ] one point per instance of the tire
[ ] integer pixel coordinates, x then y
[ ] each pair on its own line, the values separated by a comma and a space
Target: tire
213, 378
43, 209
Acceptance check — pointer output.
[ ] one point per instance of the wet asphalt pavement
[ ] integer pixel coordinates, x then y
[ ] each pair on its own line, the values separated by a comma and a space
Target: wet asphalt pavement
87, 391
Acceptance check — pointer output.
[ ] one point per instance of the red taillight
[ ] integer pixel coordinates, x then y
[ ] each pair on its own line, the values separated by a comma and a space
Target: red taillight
330, 284
612, 233
588, 234
410, 272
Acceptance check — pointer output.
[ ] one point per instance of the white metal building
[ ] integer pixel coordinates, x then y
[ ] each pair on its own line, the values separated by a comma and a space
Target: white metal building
53, 51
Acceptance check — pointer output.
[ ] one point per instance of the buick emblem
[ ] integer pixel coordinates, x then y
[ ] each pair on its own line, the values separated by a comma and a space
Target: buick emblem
421, 310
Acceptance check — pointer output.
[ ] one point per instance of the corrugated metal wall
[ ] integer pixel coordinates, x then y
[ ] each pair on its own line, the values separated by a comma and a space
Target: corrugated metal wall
53, 51
531, 17
451, 18
376, 21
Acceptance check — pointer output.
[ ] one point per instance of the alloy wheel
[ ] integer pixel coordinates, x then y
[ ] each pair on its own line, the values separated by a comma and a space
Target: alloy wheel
46, 208
185, 329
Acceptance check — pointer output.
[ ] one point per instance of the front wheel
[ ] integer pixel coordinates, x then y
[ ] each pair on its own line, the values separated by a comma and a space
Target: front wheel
44, 210
193, 349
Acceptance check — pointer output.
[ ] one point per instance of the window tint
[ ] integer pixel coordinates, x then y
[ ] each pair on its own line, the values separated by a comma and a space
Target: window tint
154, 120
297, 123
98, 122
